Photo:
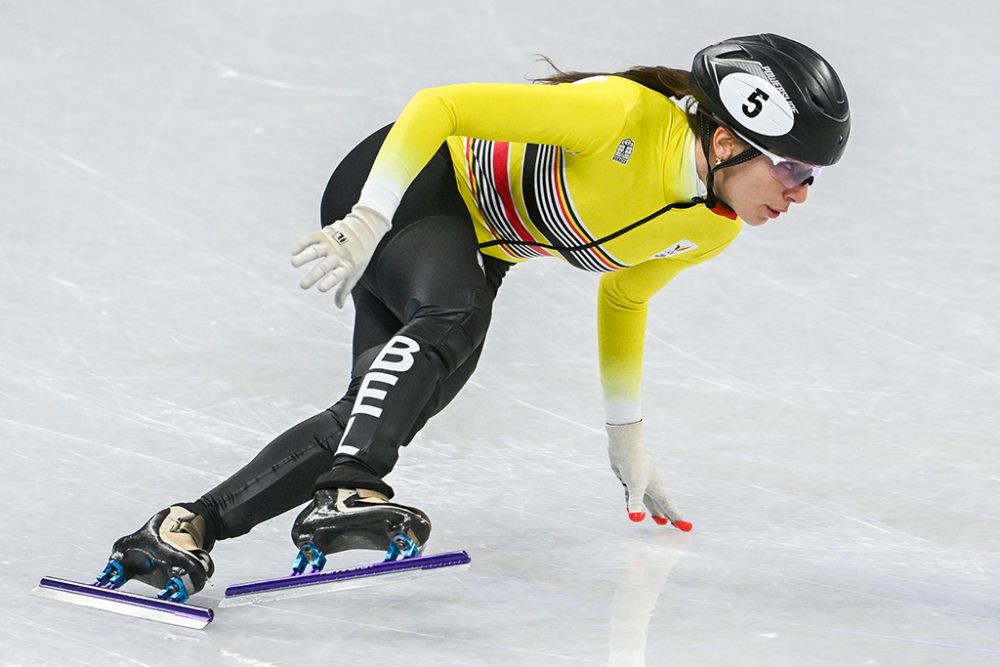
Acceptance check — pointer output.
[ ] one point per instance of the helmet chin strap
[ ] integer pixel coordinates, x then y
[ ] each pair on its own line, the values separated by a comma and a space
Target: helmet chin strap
750, 153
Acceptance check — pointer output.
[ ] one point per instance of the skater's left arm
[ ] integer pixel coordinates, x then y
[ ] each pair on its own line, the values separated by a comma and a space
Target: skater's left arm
621, 325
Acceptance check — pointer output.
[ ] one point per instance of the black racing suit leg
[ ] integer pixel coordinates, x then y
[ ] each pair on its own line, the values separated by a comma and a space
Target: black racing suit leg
432, 278
284, 474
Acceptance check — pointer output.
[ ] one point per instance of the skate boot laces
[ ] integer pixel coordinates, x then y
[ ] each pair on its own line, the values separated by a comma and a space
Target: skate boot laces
184, 530
348, 498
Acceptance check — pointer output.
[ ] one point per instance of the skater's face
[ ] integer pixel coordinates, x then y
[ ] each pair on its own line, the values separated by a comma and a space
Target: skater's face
753, 189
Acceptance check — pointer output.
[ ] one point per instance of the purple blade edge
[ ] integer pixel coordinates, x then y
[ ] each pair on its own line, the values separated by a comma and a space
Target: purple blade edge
66, 586
419, 563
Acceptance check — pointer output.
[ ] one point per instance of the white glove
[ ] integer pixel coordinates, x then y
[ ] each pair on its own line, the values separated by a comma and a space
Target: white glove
345, 246
634, 467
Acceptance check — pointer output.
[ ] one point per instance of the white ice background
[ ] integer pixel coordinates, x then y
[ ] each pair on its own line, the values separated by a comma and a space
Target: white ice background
821, 399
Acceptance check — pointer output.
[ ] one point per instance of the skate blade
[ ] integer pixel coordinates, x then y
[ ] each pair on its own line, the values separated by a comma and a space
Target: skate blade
284, 588
129, 604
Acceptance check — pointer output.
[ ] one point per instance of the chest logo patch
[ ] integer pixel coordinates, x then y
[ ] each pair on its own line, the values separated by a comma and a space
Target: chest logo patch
678, 248
624, 151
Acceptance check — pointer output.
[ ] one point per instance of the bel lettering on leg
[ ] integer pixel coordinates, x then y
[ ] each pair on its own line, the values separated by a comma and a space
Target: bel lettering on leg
395, 357
399, 347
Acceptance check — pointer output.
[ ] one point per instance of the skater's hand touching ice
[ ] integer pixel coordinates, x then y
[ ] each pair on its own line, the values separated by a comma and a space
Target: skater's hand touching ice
343, 248
643, 488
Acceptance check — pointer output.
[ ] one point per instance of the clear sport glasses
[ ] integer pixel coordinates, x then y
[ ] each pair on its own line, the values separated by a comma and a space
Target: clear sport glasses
791, 173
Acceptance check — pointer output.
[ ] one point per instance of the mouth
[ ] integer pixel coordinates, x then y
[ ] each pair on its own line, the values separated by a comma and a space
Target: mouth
774, 212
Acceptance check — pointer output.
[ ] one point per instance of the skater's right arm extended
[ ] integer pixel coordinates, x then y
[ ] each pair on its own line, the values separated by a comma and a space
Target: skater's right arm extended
582, 117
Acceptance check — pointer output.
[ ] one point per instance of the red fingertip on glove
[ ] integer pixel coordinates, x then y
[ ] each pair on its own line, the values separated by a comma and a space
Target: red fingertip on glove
684, 525
661, 520
637, 516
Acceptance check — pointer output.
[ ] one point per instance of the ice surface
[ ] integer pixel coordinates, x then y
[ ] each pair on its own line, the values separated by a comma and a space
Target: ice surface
821, 399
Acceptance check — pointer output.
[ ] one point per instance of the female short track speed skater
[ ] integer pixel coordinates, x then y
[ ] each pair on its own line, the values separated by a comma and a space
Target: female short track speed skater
638, 175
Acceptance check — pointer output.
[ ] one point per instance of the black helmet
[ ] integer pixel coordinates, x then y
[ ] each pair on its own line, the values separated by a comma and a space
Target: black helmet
778, 94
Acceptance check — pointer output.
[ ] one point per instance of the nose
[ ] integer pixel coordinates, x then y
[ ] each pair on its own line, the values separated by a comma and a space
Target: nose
799, 194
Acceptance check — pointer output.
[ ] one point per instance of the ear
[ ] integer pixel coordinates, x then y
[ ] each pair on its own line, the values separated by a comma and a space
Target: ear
725, 144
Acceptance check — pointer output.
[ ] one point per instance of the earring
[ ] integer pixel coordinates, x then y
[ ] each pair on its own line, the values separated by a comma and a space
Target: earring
717, 162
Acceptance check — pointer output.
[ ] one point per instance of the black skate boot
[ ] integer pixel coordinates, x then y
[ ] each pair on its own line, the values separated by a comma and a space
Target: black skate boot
170, 552
343, 519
